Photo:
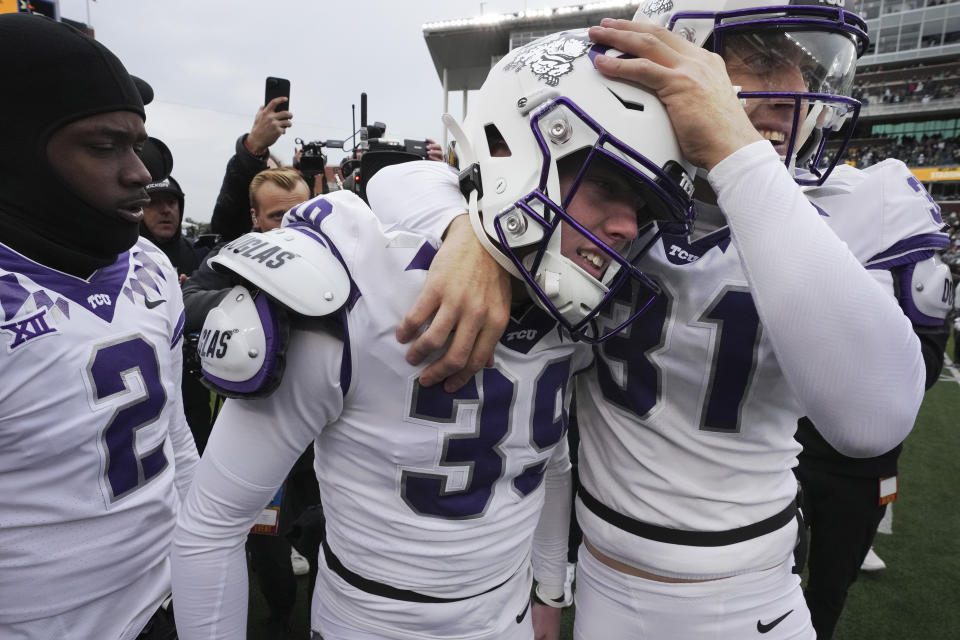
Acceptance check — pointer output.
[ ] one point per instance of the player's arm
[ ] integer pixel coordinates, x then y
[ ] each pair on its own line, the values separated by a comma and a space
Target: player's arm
185, 455
843, 343
847, 351
466, 295
550, 540
253, 445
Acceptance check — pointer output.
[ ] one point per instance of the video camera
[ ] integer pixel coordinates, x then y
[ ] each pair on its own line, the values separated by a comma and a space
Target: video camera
374, 152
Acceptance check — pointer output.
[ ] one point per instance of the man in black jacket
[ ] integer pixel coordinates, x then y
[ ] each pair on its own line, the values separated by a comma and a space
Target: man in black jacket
230, 214
162, 223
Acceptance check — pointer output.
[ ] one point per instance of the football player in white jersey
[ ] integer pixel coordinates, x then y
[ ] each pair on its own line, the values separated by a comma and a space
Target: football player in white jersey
94, 448
782, 303
436, 504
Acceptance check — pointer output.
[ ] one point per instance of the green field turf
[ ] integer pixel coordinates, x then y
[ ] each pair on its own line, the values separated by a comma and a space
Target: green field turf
918, 596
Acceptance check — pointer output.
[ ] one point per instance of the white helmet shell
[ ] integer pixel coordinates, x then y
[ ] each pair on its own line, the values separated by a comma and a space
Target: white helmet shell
545, 104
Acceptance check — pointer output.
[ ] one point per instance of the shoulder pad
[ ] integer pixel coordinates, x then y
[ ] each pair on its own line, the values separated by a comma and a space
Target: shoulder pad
927, 291
296, 269
242, 345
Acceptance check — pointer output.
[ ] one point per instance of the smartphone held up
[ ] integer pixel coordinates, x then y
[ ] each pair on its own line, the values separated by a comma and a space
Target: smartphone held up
275, 88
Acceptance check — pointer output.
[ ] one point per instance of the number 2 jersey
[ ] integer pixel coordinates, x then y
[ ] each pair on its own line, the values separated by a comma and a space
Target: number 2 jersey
423, 490
93, 443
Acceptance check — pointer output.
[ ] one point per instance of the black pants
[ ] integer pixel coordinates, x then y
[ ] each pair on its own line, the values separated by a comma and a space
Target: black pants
270, 561
843, 513
160, 627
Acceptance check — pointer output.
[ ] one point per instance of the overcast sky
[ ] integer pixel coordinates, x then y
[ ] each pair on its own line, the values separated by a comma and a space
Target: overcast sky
207, 62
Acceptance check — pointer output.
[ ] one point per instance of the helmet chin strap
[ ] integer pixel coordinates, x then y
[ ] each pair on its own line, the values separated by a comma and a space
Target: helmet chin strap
467, 158
806, 128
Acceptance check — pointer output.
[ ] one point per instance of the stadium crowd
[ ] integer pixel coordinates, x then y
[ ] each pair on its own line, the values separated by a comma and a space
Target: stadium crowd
94, 248
923, 151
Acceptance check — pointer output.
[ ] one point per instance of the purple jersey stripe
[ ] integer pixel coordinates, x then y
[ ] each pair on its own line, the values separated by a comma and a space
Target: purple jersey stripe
98, 295
178, 330
12, 295
314, 232
423, 259
346, 362
920, 242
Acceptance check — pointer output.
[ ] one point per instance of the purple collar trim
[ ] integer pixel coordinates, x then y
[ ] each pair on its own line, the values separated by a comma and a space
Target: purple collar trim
99, 294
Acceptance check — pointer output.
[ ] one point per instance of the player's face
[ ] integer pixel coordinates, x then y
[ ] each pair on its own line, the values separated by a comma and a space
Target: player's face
273, 201
162, 215
97, 158
605, 204
766, 64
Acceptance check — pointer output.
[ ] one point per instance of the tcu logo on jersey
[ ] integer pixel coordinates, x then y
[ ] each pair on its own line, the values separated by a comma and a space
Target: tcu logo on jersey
99, 300
29, 328
683, 254
213, 343
522, 334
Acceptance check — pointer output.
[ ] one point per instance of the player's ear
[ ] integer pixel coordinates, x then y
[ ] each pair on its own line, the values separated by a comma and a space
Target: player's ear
496, 144
253, 219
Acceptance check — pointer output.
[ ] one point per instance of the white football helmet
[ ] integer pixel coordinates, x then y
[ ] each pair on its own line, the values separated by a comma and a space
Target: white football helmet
770, 40
544, 106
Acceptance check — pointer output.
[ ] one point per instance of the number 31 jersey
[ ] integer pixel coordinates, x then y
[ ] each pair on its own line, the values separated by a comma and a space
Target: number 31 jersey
687, 422
90, 423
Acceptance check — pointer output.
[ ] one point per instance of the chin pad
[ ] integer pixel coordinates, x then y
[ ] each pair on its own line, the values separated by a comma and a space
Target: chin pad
243, 344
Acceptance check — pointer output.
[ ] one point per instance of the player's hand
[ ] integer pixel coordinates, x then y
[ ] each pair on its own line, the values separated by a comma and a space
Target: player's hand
268, 125
434, 151
546, 621
692, 83
468, 295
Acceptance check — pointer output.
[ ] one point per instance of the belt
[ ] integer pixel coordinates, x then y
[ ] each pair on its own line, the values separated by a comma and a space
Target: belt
385, 590
684, 537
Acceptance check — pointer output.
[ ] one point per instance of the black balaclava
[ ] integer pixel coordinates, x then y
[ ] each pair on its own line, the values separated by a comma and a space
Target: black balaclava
52, 75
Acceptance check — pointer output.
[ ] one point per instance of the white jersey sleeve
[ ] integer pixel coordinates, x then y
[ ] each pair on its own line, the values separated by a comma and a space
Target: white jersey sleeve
552, 535
422, 197
845, 347
253, 445
181, 438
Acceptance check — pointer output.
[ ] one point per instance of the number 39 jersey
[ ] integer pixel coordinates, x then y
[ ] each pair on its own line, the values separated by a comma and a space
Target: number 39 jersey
90, 425
687, 421
423, 490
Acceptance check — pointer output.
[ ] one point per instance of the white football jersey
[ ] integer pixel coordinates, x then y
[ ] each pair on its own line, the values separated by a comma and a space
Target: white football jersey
423, 490
687, 420
91, 434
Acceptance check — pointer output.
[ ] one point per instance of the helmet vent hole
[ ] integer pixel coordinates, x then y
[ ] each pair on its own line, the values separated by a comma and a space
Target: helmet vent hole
497, 146
633, 106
